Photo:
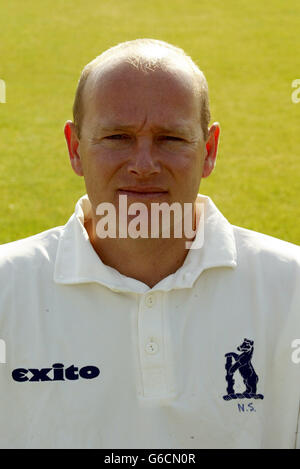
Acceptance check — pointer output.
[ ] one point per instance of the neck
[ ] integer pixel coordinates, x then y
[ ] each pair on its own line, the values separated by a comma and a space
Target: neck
145, 259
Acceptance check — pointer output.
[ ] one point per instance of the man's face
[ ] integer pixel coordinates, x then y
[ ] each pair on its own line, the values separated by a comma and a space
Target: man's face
141, 136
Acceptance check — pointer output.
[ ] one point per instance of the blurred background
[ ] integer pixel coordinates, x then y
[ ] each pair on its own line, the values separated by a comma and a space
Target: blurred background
249, 52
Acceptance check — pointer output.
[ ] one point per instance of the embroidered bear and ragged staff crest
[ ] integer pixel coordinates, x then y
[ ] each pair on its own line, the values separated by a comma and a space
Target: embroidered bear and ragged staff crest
242, 363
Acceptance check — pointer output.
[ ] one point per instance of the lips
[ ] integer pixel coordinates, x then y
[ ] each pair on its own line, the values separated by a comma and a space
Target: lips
143, 192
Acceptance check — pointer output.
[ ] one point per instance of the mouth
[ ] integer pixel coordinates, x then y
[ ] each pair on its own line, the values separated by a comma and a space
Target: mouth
143, 192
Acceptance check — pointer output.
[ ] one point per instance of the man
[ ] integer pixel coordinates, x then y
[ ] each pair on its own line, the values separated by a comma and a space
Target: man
138, 342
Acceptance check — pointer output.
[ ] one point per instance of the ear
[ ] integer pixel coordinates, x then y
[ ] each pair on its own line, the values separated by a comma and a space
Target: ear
211, 149
73, 143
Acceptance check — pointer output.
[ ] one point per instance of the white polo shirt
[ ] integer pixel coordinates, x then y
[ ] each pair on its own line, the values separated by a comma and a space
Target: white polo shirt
140, 367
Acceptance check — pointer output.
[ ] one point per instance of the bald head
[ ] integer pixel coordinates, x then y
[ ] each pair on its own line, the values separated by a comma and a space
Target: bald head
147, 57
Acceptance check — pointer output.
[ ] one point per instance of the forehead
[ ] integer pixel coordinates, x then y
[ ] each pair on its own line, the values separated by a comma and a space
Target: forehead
118, 93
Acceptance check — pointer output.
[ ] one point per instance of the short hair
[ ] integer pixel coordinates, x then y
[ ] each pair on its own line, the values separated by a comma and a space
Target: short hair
145, 55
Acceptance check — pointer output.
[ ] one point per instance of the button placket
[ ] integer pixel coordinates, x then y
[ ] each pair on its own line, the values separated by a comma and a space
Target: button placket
151, 341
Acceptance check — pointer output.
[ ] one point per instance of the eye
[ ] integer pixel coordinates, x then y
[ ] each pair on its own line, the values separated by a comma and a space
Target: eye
171, 138
117, 137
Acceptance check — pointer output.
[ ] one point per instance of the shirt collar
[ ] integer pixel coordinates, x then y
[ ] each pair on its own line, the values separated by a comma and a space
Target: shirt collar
77, 261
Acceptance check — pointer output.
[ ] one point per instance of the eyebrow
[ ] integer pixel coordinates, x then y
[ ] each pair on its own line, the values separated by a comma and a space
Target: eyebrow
178, 128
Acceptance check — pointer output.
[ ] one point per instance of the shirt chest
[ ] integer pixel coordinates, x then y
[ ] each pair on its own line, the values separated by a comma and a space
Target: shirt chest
164, 362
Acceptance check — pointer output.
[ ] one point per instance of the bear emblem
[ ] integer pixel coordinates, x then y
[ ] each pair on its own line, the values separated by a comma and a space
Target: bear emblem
242, 363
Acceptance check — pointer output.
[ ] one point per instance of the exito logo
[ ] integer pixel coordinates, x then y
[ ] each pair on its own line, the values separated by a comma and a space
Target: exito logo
2, 351
57, 373
2, 91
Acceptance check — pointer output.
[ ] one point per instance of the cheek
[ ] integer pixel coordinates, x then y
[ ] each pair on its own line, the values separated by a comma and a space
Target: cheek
190, 165
190, 174
100, 165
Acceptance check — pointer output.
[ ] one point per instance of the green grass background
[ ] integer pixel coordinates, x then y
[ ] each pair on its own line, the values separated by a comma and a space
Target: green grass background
249, 51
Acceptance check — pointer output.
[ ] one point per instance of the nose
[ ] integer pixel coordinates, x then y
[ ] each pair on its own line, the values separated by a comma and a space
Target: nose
144, 162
